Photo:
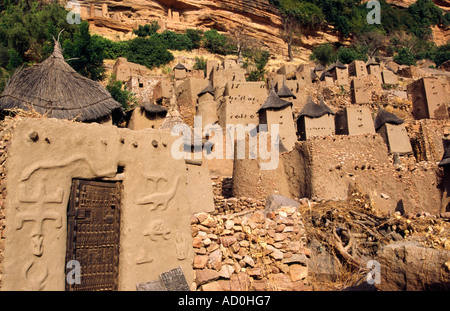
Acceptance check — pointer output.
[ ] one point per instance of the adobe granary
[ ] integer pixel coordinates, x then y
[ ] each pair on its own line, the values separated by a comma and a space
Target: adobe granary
240, 102
339, 72
315, 120
319, 69
357, 68
324, 168
124, 70
374, 69
180, 71
207, 106
430, 98
327, 77
55, 89
393, 131
389, 77
354, 121
147, 115
278, 111
284, 92
445, 180
359, 92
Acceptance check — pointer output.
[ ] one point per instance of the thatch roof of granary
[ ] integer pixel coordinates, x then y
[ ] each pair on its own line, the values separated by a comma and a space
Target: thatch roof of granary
313, 110
180, 66
384, 116
319, 67
337, 64
57, 90
284, 91
325, 74
208, 89
152, 108
274, 102
445, 158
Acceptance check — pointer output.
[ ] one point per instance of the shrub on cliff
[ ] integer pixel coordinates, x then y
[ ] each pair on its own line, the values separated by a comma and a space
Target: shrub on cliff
217, 43
150, 52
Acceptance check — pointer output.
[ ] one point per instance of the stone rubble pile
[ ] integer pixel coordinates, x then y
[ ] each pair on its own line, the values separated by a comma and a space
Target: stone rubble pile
250, 250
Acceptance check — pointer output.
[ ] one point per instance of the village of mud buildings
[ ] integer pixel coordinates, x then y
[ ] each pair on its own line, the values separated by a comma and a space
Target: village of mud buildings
311, 177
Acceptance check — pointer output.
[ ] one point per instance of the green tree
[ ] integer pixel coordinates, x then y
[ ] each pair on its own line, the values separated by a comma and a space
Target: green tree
119, 94
87, 53
150, 52
195, 35
348, 54
324, 53
260, 58
147, 30
405, 57
200, 64
217, 43
296, 17
176, 41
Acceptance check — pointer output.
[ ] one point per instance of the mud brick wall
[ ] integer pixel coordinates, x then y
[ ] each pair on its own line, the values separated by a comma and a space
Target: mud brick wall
4, 143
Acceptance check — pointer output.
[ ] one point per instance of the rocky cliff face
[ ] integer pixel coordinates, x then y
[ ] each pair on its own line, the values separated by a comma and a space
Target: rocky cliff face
115, 19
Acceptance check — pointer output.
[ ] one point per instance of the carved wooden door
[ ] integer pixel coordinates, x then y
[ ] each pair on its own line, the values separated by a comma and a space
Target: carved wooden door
93, 222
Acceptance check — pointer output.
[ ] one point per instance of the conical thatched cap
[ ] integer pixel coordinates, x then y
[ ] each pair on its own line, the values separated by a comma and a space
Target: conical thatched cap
209, 89
325, 107
274, 102
319, 67
325, 74
445, 158
372, 62
386, 117
313, 110
152, 108
284, 91
180, 66
56, 89
337, 64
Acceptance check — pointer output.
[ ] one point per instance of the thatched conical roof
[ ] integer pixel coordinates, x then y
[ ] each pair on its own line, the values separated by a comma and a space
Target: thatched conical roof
325, 74
180, 66
208, 89
337, 64
56, 89
319, 67
313, 110
371, 62
274, 102
386, 117
284, 91
445, 158
151, 108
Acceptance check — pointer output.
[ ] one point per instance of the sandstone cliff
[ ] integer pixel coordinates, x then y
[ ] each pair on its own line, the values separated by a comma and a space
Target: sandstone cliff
116, 19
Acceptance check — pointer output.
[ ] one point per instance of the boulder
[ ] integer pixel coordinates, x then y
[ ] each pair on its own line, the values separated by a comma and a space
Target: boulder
409, 266
276, 201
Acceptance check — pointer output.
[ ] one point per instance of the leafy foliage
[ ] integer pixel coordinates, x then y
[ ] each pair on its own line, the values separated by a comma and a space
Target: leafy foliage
259, 58
147, 30
405, 57
87, 53
324, 53
150, 52
217, 43
121, 95
200, 64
